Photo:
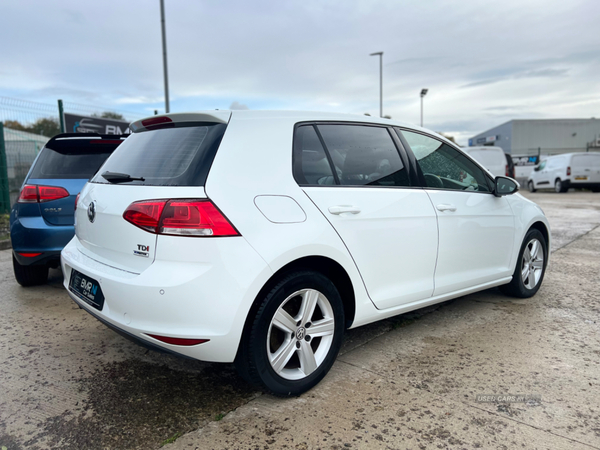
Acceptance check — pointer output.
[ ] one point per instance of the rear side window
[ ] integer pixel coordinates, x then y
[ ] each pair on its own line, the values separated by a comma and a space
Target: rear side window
364, 155
179, 156
311, 165
360, 155
71, 163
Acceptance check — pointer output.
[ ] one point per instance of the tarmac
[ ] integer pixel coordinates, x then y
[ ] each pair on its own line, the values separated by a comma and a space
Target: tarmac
482, 371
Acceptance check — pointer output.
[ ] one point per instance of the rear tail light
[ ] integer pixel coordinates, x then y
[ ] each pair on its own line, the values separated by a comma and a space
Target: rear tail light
506, 171
199, 218
38, 194
569, 170
29, 255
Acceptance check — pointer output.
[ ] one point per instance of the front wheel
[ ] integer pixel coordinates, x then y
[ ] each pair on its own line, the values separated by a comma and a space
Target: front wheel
295, 335
531, 266
531, 187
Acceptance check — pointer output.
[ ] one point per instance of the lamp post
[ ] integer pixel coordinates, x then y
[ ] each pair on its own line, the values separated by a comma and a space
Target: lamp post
423, 94
380, 81
164, 48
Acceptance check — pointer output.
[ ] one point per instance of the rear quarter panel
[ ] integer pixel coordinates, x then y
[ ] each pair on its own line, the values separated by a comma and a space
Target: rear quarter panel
254, 159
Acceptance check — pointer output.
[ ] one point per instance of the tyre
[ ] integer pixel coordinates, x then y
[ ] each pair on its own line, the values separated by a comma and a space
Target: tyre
559, 186
531, 266
295, 335
30, 275
531, 187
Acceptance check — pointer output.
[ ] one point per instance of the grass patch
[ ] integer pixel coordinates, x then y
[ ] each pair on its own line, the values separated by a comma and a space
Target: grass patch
4, 226
219, 416
171, 439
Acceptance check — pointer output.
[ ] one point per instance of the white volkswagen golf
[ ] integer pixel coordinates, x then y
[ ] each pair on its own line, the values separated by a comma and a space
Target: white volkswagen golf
258, 237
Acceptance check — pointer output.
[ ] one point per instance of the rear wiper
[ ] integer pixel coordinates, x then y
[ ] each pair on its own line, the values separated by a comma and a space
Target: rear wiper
115, 177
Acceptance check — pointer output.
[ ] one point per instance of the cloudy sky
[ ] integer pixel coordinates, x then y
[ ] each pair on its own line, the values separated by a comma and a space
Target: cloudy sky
484, 62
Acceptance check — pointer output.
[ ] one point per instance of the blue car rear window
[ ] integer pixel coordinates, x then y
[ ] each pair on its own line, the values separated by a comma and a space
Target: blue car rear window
54, 164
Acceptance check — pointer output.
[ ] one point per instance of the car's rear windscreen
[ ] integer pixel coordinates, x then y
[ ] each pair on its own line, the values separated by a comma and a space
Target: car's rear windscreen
72, 159
178, 156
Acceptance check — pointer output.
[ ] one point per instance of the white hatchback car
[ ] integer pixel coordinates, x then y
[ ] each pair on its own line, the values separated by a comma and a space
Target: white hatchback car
258, 237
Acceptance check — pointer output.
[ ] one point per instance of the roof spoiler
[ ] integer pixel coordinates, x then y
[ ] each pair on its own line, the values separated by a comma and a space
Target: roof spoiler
77, 143
170, 120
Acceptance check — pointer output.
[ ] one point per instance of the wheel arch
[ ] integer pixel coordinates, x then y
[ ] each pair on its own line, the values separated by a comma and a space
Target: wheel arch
542, 228
322, 264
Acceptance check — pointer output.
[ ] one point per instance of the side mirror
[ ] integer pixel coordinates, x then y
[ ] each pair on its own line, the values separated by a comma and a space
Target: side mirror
537, 168
505, 186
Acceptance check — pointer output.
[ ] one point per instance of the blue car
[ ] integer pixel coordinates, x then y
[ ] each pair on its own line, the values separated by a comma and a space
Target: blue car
42, 219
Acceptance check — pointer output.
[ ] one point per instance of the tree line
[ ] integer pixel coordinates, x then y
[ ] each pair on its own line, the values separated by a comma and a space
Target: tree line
49, 126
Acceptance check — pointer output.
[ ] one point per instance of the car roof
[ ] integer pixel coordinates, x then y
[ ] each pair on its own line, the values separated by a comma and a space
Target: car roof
224, 116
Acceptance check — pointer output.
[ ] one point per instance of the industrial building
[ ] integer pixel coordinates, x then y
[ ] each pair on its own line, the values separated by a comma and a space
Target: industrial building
531, 137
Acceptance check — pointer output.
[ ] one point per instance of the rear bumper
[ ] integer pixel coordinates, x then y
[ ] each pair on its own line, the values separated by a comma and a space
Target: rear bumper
35, 235
581, 184
207, 299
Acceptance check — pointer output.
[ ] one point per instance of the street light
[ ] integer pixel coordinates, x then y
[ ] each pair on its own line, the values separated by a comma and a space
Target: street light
380, 81
423, 94
164, 47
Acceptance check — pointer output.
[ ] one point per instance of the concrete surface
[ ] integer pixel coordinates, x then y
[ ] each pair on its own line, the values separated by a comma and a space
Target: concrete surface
409, 382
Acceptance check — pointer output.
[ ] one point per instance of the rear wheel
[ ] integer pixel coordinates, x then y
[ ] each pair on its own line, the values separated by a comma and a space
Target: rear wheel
559, 186
295, 335
531, 266
531, 186
30, 275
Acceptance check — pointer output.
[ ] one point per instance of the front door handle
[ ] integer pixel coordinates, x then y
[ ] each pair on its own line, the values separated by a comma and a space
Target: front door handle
341, 209
445, 207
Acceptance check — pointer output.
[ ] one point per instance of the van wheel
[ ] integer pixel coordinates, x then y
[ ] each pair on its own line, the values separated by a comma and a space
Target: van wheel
295, 335
531, 187
531, 266
559, 186
30, 275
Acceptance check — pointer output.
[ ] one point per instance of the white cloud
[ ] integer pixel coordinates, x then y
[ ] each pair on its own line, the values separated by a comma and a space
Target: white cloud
540, 60
238, 105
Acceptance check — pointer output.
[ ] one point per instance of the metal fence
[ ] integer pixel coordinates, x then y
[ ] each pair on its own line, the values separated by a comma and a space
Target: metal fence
25, 127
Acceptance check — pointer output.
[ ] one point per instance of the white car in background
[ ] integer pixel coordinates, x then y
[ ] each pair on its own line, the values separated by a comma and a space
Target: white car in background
492, 158
258, 237
570, 170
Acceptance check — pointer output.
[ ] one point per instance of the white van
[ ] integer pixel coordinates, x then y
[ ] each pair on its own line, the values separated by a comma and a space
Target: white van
492, 158
571, 170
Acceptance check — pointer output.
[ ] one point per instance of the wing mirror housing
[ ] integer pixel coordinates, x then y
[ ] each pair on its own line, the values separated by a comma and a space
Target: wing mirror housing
505, 186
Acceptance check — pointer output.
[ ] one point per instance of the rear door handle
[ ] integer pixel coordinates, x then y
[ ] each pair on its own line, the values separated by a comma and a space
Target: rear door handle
340, 209
444, 207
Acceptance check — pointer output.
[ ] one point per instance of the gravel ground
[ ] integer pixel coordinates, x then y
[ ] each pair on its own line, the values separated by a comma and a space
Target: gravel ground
409, 382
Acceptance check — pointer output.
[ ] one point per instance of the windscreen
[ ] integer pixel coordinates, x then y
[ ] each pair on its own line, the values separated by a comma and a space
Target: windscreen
179, 156
71, 164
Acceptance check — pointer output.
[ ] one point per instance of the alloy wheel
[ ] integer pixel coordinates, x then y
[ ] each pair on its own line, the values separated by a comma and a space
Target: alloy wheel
533, 264
300, 334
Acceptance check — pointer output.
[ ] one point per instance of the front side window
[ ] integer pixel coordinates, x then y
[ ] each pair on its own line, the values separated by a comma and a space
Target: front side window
444, 167
364, 155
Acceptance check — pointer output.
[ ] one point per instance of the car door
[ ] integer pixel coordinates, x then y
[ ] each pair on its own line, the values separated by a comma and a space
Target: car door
356, 177
476, 228
544, 178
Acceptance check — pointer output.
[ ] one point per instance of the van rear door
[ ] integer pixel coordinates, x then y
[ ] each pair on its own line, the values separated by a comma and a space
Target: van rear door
585, 168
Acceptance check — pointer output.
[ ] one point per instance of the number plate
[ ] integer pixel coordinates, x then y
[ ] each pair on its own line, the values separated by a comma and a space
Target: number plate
581, 178
87, 289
